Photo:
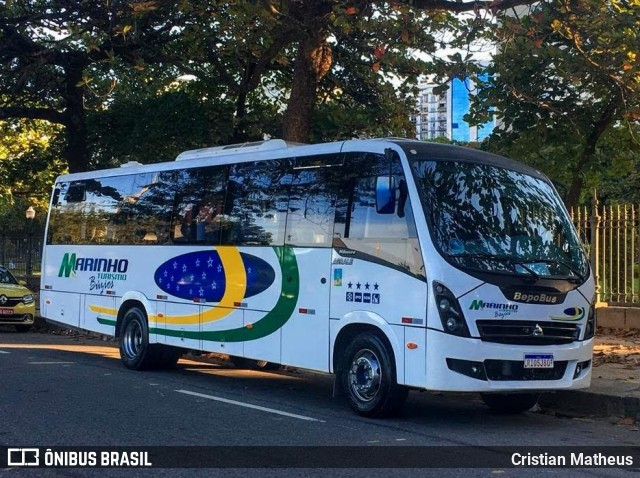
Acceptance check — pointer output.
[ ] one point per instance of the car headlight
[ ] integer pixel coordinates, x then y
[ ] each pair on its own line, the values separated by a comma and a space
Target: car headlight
27, 299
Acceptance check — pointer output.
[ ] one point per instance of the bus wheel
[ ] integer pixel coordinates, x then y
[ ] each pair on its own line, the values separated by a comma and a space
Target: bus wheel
135, 351
510, 403
369, 378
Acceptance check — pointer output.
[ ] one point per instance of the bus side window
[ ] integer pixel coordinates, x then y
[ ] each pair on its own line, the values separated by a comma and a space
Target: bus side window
256, 203
198, 216
312, 203
152, 205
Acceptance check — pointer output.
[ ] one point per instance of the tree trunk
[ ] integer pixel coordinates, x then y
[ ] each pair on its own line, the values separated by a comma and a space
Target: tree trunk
313, 61
76, 151
589, 151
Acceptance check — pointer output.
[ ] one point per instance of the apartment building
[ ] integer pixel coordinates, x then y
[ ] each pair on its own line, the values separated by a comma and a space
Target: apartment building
441, 114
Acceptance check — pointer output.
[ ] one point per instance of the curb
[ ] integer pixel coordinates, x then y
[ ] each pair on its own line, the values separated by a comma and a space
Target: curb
591, 404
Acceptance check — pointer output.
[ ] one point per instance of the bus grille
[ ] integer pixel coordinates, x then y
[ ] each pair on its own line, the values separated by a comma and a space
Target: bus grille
522, 332
504, 370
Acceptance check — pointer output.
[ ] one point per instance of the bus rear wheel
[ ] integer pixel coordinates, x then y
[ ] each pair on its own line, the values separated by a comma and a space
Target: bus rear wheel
510, 403
369, 378
136, 352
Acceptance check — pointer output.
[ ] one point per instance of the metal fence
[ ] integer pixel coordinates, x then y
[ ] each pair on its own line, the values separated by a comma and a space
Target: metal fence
21, 253
611, 235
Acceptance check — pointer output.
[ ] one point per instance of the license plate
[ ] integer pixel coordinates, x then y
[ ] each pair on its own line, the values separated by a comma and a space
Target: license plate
6, 311
538, 361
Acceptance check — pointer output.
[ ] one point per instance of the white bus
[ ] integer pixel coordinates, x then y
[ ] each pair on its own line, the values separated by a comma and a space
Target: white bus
393, 264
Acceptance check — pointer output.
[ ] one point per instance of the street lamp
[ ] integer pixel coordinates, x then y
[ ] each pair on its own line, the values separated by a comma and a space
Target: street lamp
30, 213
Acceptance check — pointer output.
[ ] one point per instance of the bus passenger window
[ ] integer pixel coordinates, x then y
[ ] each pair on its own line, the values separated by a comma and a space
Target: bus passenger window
256, 203
311, 209
198, 216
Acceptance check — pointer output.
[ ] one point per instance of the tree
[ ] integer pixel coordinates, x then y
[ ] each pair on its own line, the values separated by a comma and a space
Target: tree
157, 126
29, 162
566, 74
382, 33
56, 54
48, 49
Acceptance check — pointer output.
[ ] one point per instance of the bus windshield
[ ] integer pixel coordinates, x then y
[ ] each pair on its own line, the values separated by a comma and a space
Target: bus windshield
493, 219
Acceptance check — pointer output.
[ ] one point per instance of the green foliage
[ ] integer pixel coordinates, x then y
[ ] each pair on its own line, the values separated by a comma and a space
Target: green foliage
29, 162
565, 76
13, 220
157, 128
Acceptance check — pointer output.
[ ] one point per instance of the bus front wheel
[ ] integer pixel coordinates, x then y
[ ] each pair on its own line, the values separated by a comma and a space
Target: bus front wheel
510, 403
369, 377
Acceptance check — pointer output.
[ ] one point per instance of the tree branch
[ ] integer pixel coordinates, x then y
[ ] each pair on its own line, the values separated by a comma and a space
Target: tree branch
459, 7
46, 114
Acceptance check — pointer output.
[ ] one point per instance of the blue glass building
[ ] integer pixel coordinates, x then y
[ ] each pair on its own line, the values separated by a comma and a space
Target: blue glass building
442, 114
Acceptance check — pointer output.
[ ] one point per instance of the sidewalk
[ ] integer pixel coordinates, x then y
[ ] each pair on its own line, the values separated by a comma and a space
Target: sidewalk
615, 383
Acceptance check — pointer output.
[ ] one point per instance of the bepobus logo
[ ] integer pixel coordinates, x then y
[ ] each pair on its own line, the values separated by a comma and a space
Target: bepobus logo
535, 298
23, 457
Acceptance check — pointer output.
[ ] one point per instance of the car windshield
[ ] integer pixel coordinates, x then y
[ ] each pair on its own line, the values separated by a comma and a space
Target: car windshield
498, 220
6, 277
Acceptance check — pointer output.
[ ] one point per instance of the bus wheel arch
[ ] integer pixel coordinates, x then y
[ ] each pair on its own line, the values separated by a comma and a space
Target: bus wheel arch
365, 367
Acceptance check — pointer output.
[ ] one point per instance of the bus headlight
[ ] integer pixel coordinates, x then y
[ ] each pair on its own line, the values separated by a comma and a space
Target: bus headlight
590, 328
451, 316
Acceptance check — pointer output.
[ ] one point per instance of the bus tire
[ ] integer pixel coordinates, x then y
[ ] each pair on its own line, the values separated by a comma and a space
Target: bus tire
135, 351
510, 403
369, 377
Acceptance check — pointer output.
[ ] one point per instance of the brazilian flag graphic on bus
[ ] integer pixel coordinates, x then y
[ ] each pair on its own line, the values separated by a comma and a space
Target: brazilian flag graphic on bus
201, 275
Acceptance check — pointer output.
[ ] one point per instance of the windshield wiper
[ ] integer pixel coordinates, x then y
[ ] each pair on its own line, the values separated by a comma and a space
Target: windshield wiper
512, 261
578, 276
523, 263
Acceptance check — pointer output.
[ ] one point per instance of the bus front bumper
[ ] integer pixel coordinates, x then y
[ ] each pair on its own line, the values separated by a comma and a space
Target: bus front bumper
460, 364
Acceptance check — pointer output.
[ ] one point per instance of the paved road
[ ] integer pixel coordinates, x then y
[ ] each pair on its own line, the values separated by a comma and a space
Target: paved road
57, 391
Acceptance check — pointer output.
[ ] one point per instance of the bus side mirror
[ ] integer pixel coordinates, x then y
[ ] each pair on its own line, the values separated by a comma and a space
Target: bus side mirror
385, 195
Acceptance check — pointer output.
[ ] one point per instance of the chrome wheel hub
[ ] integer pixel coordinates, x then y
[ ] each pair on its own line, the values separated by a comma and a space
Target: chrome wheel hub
132, 340
365, 375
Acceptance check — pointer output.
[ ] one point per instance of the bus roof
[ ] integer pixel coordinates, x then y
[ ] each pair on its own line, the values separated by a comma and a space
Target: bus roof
279, 149
439, 151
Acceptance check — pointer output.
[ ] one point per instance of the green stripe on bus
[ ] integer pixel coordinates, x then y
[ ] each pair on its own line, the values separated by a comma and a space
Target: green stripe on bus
268, 324
106, 321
